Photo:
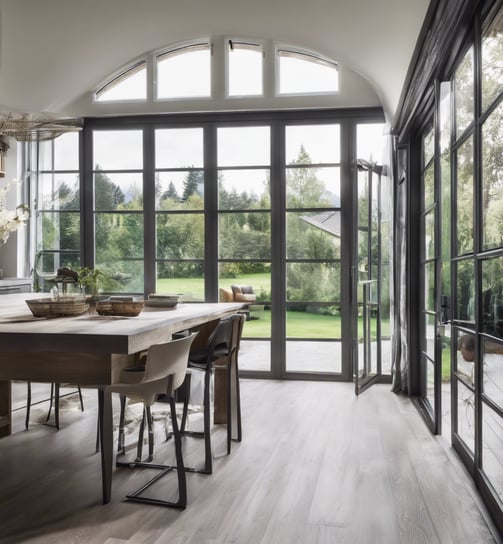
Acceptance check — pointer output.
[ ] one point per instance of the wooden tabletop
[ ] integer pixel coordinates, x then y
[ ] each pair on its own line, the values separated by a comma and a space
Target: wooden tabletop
87, 333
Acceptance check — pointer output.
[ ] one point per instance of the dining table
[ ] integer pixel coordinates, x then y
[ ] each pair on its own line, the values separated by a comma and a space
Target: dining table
90, 350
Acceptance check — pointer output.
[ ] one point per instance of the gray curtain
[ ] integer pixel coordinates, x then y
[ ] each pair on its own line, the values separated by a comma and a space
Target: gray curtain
400, 353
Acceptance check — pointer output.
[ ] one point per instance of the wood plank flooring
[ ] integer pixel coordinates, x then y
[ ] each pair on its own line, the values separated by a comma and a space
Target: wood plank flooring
316, 466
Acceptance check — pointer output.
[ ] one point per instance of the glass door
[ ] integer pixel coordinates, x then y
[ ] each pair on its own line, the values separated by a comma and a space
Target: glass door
313, 233
430, 281
366, 348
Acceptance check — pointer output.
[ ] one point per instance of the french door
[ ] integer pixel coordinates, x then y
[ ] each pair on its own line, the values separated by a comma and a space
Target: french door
430, 328
260, 204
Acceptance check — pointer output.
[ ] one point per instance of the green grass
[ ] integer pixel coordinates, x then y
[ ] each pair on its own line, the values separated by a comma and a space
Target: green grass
299, 324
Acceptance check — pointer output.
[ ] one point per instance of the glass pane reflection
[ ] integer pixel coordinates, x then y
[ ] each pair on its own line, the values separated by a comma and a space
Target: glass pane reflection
466, 415
492, 69
493, 371
465, 307
492, 197
464, 93
464, 201
492, 296
492, 448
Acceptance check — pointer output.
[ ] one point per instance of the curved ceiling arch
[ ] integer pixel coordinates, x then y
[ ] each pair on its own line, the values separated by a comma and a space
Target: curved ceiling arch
53, 52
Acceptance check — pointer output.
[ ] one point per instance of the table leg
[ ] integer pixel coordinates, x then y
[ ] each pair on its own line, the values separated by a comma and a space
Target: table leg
106, 442
5, 408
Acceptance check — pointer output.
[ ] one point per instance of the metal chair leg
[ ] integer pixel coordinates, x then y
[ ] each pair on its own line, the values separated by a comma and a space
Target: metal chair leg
121, 443
150, 435
139, 447
208, 456
181, 503
81, 400
28, 405
186, 385
50, 403
56, 405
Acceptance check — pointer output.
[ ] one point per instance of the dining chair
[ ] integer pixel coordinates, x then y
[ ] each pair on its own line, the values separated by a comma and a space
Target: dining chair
54, 399
233, 395
222, 347
164, 372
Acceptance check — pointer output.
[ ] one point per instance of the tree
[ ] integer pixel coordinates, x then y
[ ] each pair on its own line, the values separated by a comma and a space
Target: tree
303, 188
191, 184
171, 193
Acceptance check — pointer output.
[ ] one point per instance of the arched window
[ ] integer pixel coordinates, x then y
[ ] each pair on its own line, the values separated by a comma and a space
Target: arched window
184, 72
302, 72
130, 84
244, 68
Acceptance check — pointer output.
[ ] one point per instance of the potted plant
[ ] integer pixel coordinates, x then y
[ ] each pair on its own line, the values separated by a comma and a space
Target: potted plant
89, 280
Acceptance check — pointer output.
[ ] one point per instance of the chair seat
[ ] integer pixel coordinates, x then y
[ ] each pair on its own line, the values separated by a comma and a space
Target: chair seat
200, 357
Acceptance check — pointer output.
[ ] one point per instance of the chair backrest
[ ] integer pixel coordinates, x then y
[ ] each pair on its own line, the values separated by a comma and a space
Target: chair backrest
168, 359
237, 321
220, 337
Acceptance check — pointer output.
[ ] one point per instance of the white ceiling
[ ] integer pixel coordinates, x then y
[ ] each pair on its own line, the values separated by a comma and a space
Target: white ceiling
53, 51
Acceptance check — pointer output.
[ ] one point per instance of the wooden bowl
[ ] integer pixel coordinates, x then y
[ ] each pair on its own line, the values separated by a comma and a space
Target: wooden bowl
64, 307
119, 307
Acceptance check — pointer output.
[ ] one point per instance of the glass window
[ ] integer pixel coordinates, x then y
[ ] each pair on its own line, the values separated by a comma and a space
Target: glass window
492, 181
130, 84
244, 235
429, 286
492, 452
244, 63
180, 190
493, 369
313, 235
58, 220
464, 93
492, 295
179, 148
118, 191
244, 189
370, 142
301, 72
492, 67
465, 291
180, 236
428, 147
312, 144
429, 235
465, 357
244, 146
184, 72
58, 191
118, 149
313, 187
466, 415
183, 278
464, 198
429, 186
179, 195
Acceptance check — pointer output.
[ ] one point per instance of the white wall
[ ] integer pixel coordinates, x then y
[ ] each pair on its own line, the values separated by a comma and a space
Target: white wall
12, 252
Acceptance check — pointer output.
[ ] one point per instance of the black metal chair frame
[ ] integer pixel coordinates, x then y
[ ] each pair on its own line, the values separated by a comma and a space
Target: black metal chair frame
54, 399
136, 496
223, 343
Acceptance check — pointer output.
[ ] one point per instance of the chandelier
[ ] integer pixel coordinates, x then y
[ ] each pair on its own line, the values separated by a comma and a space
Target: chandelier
36, 127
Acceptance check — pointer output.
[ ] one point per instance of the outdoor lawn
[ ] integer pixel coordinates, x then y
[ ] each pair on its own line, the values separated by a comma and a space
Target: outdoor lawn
299, 324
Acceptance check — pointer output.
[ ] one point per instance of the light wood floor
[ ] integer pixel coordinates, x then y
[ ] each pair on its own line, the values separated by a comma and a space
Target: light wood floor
316, 466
